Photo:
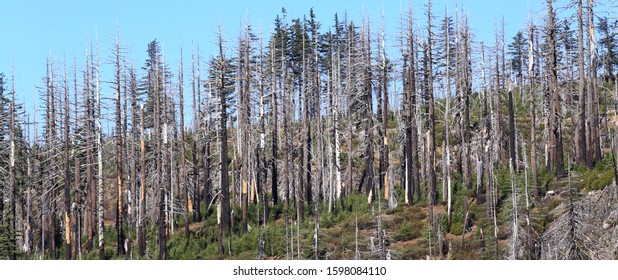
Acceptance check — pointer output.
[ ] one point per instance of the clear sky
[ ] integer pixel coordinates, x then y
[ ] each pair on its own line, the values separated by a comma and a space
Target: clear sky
33, 29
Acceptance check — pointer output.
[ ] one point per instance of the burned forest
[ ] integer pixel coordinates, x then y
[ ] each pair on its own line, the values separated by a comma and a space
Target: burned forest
315, 140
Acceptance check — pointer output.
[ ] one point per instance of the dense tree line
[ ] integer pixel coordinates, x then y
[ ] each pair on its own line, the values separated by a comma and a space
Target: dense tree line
295, 120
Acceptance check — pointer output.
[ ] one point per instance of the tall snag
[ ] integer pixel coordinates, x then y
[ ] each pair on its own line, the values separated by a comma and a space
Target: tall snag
556, 160
431, 127
119, 146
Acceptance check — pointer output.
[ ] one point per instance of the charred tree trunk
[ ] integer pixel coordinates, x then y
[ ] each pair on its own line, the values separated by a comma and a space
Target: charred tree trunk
224, 196
12, 186
531, 76
512, 147
556, 161
195, 193
67, 170
244, 124
119, 160
582, 155
141, 234
486, 148
305, 194
274, 134
183, 152
368, 174
411, 163
90, 186
433, 193
383, 110
593, 142
350, 100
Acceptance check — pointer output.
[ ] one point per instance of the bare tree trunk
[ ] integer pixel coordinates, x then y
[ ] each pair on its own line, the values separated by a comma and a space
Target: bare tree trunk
420, 120
350, 100
224, 196
466, 83
274, 133
89, 119
531, 75
13, 174
100, 206
411, 163
119, 163
317, 112
197, 146
54, 192
486, 148
306, 152
244, 121
433, 193
556, 162
183, 152
159, 185
447, 150
134, 158
514, 245
383, 109
582, 155
141, 234
286, 134
195, 193
260, 175
368, 174
335, 113
77, 220
165, 215
67, 170
512, 148
593, 98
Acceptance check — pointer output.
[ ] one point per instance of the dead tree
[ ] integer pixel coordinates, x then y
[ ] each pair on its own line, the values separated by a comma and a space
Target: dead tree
90, 134
67, 169
274, 180
305, 194
556, 161
486, 148
581, 153
183, 152
194, 194
12, 182
431, 128
141, 230
531, 76
465, 82
244, 115
99, 147
383, 118
220, 68
593, 138
366, 92
411, 151
349, 101
119, 146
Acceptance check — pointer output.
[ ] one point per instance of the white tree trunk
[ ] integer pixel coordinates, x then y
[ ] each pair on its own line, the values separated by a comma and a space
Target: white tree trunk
100, 206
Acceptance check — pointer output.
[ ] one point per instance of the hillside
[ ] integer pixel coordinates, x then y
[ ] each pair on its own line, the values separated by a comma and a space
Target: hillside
313, 139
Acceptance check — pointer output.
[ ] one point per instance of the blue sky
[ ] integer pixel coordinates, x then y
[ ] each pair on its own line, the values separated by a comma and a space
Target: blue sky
33, 29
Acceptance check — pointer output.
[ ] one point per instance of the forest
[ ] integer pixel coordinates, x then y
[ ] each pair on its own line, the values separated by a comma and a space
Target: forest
324, 141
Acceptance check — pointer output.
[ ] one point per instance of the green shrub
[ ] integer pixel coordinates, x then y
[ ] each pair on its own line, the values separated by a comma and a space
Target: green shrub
416, 252
457, 228
404, 233
603, 180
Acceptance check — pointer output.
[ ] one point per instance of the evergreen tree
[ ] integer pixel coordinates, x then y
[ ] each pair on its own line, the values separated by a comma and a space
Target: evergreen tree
518, 50
221, 77
607, 45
